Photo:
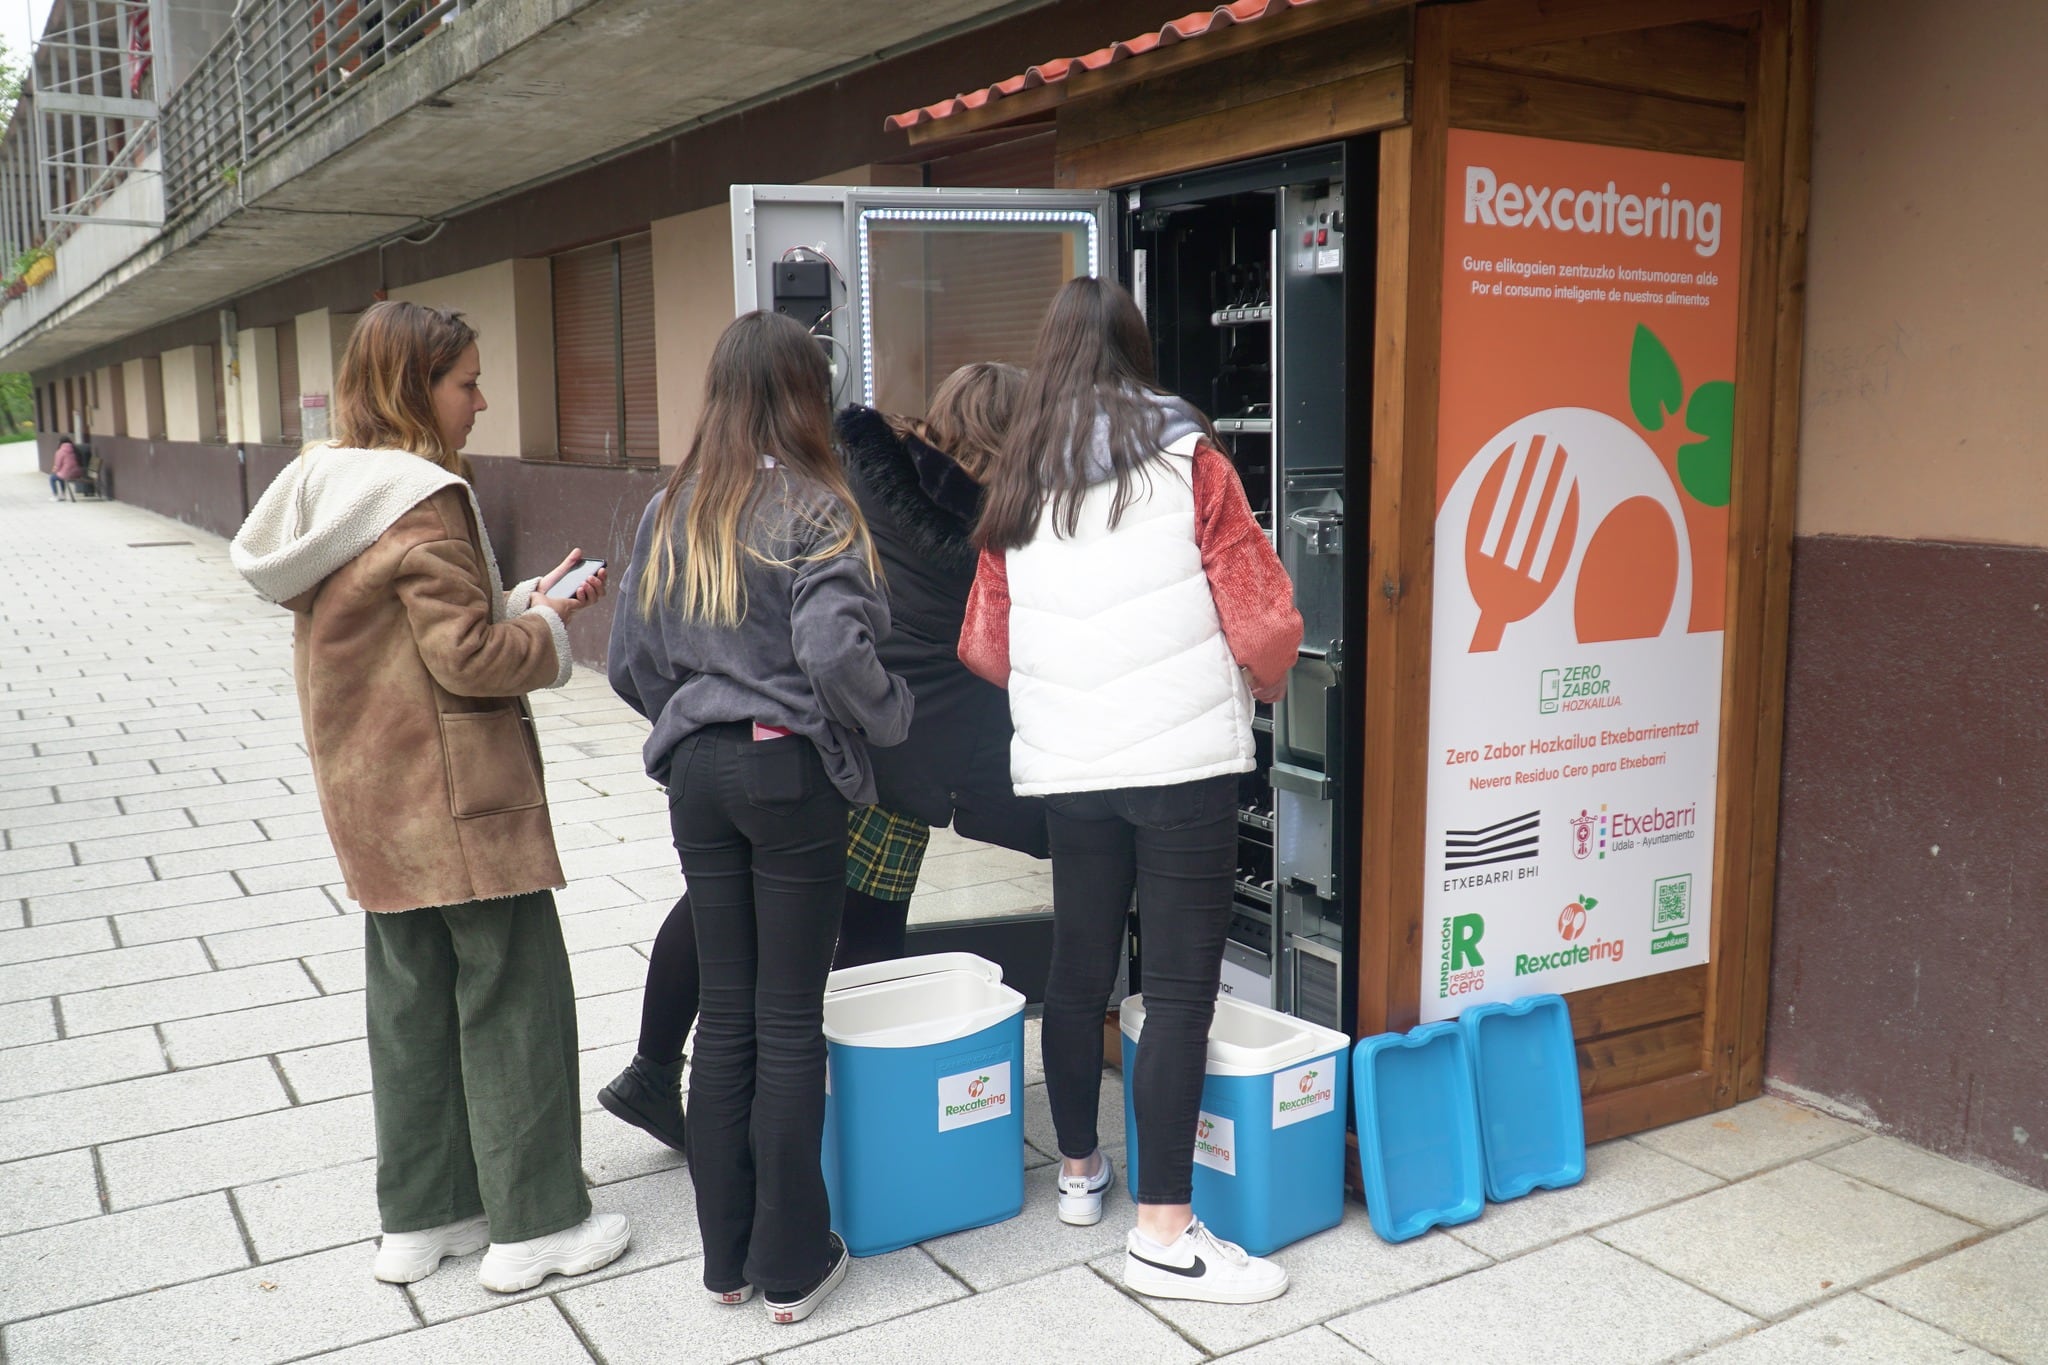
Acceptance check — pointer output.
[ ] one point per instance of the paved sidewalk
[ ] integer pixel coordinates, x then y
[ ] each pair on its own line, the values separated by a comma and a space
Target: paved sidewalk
185, 1134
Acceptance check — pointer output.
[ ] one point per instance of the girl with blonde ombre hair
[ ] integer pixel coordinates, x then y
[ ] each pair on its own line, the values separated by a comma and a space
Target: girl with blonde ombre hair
747, 634
412, 664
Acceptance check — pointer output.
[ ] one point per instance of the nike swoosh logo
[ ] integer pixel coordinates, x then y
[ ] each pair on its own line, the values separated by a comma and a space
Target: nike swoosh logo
1193, 1272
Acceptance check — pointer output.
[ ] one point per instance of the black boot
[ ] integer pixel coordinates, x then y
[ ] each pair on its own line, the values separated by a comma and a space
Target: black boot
649, 1095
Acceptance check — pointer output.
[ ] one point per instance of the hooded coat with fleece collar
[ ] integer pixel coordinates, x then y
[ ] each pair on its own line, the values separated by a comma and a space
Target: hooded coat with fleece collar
411, 662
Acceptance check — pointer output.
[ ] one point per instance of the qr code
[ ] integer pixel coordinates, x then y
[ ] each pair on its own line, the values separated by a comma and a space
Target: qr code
1673, 908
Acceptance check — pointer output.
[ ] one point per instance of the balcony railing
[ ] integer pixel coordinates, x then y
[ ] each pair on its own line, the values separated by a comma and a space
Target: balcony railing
281, 64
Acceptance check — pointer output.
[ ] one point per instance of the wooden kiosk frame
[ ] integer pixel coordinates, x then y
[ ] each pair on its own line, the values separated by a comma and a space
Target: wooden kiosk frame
1721, 78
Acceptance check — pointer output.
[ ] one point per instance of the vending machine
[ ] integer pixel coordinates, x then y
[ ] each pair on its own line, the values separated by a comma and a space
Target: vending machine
1255, 279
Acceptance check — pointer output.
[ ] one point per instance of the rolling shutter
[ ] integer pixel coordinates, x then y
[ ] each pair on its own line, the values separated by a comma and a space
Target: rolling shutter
636, 336
288, 383
586, 355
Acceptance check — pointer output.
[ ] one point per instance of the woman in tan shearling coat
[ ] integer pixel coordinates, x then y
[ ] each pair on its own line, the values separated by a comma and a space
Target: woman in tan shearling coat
412, 663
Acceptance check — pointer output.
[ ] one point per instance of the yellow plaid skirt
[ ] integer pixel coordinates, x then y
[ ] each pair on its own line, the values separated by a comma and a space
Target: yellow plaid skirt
884, 851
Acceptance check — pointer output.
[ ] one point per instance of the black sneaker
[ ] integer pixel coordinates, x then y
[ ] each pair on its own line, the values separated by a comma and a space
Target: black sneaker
796, 1305
649, 1095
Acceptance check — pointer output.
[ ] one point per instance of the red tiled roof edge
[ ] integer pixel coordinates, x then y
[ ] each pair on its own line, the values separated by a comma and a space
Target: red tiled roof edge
1059, 68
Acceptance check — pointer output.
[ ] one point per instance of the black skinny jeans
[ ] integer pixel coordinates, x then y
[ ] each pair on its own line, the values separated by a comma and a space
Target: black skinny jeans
1177, 845
762, 836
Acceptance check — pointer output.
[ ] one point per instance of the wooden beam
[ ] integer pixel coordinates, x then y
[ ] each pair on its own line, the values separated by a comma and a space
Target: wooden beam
1401, 569
1494, 25
1748, 525
1685, 61
1340, 109
1373, 17
1635, 1004
1026, 106
1538, 106
1247, 79
1383, 927
1796, 175
1618, 1113
1623, 1061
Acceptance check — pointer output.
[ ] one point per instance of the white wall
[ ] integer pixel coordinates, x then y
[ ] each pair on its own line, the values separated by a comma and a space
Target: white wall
188, 395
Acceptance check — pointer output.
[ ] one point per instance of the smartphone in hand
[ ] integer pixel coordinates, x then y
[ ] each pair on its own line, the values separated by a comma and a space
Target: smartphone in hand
579, 574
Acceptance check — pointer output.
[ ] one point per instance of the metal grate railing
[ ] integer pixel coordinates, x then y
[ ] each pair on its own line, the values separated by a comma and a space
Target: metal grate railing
279, 66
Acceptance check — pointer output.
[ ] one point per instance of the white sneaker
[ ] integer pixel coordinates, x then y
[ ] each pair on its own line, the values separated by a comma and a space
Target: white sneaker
1200, 1265
729, 1297
596, 1241
795, 1307
1081, 1195
408, 1256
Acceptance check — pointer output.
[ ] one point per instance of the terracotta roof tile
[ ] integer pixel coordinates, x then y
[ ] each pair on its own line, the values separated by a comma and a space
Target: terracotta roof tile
1180, 30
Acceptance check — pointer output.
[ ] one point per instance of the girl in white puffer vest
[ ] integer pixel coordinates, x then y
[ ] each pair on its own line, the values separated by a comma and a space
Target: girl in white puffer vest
1134, 609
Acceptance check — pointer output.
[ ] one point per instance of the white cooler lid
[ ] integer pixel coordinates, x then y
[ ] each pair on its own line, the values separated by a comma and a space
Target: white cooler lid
917, 1001
1247, 1039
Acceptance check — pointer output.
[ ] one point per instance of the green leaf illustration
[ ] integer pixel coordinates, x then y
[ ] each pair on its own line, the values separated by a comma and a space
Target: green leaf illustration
1704, 466
1654, 387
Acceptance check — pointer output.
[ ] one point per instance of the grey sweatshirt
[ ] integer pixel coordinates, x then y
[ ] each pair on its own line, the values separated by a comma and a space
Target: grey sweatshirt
803, 657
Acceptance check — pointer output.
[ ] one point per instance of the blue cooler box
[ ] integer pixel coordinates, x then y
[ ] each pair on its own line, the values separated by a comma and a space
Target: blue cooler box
924, 1100
1269, 1145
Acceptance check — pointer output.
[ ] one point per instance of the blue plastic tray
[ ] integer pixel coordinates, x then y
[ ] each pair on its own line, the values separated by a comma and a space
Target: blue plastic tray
1526, 1072
1418, 1130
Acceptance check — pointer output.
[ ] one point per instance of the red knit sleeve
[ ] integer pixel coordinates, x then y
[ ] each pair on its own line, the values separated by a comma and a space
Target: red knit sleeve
985, 634
1254, 598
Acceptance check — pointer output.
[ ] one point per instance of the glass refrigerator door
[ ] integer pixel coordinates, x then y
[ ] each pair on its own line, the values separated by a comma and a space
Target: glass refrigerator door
902, 286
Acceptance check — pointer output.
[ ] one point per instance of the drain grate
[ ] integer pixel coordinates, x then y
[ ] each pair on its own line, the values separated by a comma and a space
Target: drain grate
155, 544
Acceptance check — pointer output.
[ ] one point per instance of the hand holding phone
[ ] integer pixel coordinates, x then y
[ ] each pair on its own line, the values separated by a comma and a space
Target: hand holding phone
580, 573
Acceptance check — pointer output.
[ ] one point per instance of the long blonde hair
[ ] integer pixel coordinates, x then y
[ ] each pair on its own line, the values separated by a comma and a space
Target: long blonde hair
969, 413
384, 389
767, 392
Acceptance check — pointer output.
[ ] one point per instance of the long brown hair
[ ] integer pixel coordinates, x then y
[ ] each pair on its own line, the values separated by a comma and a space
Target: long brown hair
1094, 358
969, 415
384, 389
767, 392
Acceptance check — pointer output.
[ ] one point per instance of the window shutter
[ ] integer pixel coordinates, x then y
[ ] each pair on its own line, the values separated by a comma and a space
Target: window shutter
586, 368
118, 384
636, 328
288, 383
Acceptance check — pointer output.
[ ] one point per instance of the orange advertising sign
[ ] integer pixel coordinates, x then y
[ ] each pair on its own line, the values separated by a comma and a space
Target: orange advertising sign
1584, 461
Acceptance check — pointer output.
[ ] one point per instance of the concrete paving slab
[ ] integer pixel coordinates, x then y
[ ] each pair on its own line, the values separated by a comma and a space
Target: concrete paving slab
1063, 1316
25, 1022
67, 824
640, 1319
185, 997
524, 1334
614, 1150
275, 943
1333, 1272
1786, 1238
1850, 1330
227, 913
1311, 1346
663, 1210
107, 1257
310, 1211
338, 972
1950, 1186
136, 896
328, 1072
1750, 1137
1035, 1241
605, 971
273, 1312
289, 876
265, 1029
605, 1019
80, 1063
1622, 1180
1574, 1303
88, 972
129, 1109
43, 1190
1991, 1295
38, 943
622, 924
238, 1152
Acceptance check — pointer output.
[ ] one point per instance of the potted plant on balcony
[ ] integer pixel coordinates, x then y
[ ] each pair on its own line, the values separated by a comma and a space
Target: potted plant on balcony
35, 265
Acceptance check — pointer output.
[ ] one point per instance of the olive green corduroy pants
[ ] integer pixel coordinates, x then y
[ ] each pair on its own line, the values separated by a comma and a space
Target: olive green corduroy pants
472, 1024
